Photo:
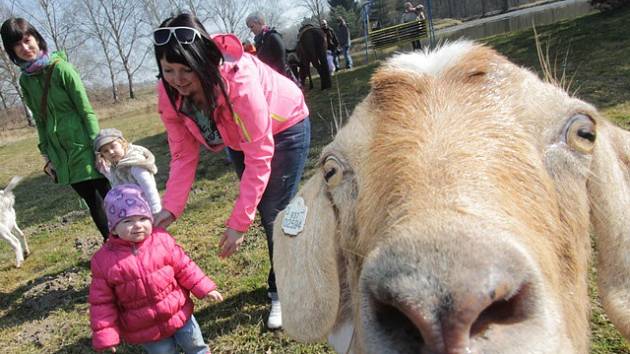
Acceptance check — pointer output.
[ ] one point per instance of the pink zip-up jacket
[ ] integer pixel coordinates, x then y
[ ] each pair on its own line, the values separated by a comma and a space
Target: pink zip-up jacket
264, 103
141, 291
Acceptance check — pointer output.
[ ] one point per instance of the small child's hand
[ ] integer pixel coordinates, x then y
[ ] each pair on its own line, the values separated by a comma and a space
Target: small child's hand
215, 296
101, 164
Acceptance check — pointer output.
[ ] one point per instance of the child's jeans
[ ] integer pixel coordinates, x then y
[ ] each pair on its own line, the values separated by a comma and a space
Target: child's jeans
189, 338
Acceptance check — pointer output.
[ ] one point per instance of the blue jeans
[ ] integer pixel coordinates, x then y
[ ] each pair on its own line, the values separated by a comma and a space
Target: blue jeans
189, 338
287, 166
346, 56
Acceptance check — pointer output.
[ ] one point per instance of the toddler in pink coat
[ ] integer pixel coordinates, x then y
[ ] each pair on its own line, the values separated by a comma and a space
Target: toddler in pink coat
141, 283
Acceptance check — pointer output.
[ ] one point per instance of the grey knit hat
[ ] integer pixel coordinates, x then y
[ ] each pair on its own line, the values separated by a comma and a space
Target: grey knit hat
106, 136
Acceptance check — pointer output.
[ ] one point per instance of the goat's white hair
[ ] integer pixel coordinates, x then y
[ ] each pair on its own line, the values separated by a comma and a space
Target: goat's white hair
8, 222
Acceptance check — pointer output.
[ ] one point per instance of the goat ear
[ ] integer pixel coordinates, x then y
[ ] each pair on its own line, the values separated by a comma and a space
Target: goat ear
306, 267
609, 189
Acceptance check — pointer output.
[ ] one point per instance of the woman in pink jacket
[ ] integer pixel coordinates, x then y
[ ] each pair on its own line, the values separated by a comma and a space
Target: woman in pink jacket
212, 94
141, 282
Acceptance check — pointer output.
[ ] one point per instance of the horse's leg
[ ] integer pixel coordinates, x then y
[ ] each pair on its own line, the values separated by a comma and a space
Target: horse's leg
304, 69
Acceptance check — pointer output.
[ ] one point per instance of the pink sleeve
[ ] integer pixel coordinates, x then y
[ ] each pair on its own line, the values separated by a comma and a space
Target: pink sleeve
184, 151
103, 311
252, 114
187, 272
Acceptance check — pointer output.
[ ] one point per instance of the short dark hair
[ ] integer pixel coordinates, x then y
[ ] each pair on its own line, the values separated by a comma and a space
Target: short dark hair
202, 56
13, 31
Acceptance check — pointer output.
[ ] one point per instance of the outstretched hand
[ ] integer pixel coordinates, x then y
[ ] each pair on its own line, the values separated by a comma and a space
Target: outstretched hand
215, 296
163, 218
230, 242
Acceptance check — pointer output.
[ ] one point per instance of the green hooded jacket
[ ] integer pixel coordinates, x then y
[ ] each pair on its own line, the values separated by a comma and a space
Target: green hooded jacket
66, 134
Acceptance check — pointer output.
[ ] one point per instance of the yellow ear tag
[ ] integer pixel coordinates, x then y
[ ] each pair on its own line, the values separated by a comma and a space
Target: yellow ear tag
294, 217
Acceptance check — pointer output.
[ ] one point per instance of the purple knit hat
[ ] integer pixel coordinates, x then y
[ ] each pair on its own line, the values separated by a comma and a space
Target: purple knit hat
123, 201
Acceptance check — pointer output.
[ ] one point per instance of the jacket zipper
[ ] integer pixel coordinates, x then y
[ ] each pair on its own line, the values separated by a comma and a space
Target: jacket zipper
134, 251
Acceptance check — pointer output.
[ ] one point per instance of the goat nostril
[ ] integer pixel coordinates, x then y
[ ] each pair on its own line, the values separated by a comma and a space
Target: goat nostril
502, 311
396, 325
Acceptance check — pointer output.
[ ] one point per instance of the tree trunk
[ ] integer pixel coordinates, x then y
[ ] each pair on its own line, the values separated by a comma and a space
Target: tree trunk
4, 100
132, 95
29, 116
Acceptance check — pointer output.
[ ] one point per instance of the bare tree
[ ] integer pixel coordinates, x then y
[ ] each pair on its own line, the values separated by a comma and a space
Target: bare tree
157, 11
272, 10
229, 15
96, 27
56, 20
125, 28
316, 8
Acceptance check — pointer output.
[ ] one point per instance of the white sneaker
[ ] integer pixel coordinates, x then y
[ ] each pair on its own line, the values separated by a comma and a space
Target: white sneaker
275, 315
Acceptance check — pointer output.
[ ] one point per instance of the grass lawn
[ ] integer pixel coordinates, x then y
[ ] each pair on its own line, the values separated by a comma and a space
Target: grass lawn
43, 305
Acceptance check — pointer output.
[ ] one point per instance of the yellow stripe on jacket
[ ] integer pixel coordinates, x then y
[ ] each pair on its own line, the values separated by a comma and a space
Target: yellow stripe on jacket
278, 118
239, 122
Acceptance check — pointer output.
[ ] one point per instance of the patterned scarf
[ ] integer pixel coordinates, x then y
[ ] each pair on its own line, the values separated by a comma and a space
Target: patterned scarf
137, 156
35, 66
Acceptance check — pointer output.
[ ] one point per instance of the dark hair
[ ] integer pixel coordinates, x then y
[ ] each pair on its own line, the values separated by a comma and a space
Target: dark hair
202, 56
13, 31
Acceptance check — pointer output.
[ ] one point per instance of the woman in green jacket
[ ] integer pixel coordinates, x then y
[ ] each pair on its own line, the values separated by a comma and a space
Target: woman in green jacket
66, 124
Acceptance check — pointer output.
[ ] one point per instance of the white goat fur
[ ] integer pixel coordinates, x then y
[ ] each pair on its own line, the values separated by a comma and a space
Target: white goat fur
462, 131
8, 223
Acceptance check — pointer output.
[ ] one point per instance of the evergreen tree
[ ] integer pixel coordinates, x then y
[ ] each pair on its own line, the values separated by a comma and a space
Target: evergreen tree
382, 13
346, 4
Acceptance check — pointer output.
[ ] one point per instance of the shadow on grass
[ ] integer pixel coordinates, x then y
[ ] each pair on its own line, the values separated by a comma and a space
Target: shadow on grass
39, 201
82, 346
243, 309
48, 293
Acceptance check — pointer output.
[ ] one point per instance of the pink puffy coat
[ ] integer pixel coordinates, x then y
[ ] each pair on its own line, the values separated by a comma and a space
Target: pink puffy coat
264, 102
140, 291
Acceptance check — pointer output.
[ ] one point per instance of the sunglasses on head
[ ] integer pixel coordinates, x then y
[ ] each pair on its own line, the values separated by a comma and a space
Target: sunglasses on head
184, 35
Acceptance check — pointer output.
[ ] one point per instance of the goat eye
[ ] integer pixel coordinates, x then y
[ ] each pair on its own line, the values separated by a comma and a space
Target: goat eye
333, 171
580, 133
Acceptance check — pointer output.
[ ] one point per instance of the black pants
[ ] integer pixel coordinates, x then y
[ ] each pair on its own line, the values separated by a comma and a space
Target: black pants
93, 192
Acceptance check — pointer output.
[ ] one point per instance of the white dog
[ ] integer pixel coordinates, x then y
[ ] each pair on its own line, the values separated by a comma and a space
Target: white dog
8, 223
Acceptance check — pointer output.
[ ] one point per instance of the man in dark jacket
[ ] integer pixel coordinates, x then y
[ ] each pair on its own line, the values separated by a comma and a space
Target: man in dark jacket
269, 45
332, 42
